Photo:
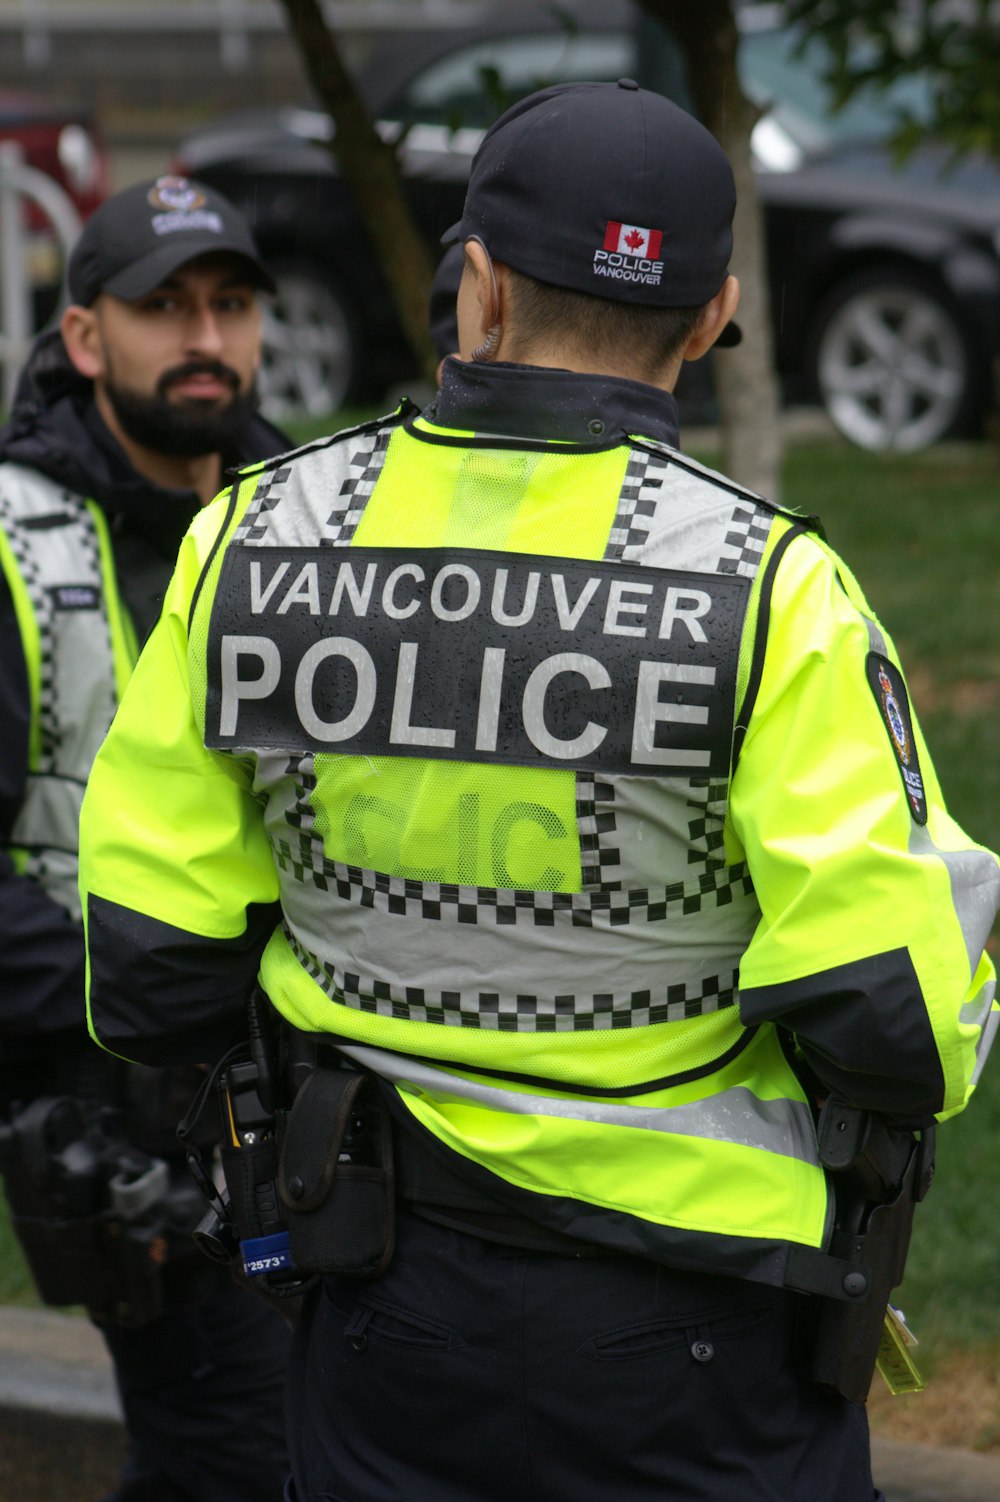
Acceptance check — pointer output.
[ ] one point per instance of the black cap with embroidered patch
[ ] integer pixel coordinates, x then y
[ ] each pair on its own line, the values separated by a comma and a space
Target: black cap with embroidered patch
608, 189
138, 238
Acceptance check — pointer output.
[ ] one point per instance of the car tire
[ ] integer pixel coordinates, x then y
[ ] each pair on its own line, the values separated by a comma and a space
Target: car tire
310, 351
893, 365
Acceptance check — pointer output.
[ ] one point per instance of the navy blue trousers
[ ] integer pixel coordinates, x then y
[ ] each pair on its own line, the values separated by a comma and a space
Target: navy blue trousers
472, 1372
202, 1388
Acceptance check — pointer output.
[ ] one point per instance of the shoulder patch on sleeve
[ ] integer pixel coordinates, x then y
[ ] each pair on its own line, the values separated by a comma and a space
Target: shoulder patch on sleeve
894, 706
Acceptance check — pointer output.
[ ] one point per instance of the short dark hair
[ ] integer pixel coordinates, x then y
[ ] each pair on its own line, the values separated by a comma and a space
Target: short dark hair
640, 337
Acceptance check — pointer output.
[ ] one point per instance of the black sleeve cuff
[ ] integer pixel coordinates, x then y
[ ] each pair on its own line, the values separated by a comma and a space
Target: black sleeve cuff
161, 995
864, 1029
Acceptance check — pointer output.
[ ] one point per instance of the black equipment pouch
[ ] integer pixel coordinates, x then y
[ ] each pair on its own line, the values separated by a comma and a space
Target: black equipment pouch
336, 1177
879, 1174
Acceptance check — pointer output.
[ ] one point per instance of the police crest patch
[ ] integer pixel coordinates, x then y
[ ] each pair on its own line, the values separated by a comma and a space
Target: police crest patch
183, 205
176, 194
890, 695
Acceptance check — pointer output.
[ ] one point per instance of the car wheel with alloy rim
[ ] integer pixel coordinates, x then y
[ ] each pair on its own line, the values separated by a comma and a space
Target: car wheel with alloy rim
309, 351
892, 363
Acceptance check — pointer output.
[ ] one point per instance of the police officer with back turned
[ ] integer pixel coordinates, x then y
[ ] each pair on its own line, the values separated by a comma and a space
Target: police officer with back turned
565, 798
123, 423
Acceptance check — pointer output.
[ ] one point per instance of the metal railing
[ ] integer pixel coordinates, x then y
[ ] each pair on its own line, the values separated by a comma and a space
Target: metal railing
19, 184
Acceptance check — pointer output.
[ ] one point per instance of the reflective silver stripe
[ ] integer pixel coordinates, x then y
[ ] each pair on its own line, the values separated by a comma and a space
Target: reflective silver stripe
985, 1041
990, 1022
975, 889
736, 1116
876, 640
51, 812
372, 948
54, 540
58, 872
976, 1012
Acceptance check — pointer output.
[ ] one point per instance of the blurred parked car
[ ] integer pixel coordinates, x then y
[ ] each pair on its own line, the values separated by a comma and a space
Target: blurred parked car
885, 281
62, 142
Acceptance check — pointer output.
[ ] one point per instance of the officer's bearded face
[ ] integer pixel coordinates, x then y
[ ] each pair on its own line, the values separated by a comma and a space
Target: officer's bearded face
189, 427
179, 365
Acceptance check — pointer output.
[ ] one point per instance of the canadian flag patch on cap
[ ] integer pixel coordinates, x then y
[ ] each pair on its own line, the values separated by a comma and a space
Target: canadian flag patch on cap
633, 240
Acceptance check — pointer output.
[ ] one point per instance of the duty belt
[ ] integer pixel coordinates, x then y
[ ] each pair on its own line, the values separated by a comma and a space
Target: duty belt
437, 1193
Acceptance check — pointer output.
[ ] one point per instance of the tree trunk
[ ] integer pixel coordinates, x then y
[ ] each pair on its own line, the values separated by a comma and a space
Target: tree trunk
745, 380
371, 171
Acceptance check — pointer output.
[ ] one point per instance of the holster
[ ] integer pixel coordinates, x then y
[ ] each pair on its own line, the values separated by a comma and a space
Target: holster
879, 1173
336, 1177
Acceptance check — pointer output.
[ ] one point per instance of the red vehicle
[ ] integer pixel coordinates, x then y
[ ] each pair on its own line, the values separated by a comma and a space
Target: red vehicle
63, 143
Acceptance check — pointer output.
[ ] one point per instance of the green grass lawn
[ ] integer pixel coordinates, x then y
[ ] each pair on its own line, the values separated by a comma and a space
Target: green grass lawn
920, 534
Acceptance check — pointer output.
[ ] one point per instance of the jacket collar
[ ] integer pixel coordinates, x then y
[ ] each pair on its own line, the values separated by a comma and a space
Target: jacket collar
531, 401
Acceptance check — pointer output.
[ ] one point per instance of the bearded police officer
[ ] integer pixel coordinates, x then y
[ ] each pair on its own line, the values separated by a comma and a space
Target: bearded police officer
124, 419
566, 797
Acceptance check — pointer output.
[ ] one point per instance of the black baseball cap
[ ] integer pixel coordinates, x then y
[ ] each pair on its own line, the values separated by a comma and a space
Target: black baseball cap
609, 189
139, 237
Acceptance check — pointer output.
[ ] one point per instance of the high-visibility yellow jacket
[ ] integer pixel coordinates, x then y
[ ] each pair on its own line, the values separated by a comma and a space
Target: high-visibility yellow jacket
569, 787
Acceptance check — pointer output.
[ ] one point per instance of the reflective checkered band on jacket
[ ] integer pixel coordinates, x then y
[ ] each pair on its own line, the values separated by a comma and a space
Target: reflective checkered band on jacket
495, 1011
707, 802
53, 539
436, 900
656, 931
333, 525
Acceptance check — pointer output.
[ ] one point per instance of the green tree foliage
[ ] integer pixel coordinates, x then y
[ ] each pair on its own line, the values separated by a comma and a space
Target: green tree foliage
952, 45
